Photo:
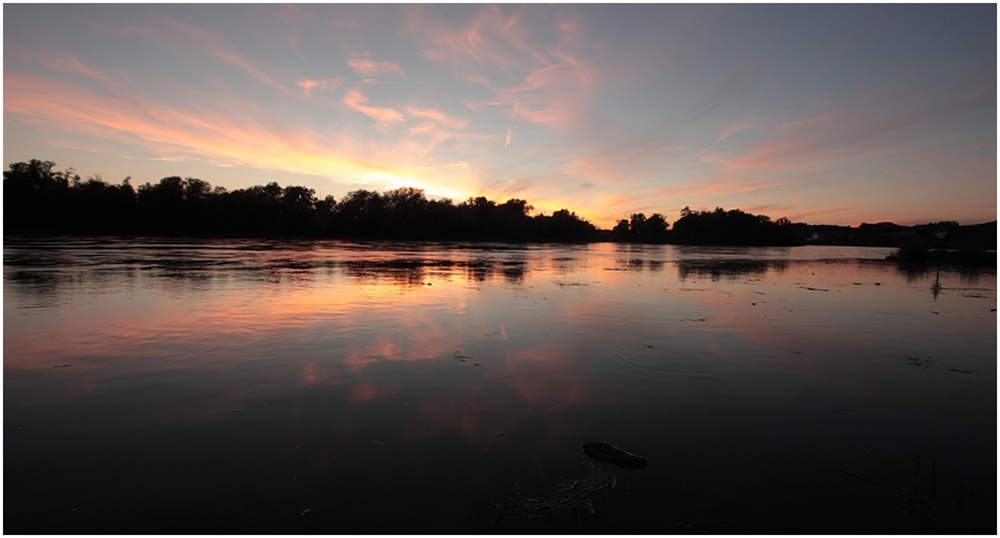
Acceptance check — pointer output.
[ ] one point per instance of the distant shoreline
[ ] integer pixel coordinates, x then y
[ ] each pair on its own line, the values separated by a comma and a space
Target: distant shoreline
42, 201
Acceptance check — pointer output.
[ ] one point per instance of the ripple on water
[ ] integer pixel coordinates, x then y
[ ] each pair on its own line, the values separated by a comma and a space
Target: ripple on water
656, 359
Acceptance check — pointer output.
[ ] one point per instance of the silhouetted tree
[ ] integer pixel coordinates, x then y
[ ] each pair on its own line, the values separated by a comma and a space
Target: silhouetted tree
733, 227
653, 229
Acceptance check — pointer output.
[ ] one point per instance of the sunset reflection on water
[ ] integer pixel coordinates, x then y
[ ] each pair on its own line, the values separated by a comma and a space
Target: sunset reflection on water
490, 365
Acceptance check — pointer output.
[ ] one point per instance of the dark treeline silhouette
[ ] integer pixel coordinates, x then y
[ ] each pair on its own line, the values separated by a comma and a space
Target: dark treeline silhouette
733, 227
639, 229
38, 199
887, 234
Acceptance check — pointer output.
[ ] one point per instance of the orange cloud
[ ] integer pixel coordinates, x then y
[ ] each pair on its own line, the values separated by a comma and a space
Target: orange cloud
384, 117
226, 137
437, 117
236, 133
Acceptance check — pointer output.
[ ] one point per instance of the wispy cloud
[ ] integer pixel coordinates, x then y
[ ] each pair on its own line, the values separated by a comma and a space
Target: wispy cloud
309, 85
737, 82
809, 215
532, 77
188, 39
384, 117
436, 117
362, 64
236, 134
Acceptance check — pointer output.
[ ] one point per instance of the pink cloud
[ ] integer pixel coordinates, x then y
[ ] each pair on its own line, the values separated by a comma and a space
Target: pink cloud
531, 78
221, 136
60, 61
437, 127
68, 62
309, 85
437, 117
805, 215
363, 65
384, 117
228, 130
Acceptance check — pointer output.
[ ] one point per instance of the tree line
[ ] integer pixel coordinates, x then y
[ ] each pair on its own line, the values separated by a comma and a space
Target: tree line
39, 199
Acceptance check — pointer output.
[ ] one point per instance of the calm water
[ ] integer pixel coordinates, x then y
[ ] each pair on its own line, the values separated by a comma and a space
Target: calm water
323, 387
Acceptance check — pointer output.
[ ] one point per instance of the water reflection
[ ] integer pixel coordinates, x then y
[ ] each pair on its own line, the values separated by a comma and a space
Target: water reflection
728, 269
332, 363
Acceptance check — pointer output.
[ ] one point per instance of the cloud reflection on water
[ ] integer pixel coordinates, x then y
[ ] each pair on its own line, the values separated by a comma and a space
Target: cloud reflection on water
336, 311
495, 361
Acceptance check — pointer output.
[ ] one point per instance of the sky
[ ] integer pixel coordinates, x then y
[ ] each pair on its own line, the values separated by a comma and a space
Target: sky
826, 114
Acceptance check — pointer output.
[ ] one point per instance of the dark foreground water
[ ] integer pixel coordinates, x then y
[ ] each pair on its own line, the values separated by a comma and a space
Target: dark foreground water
322, 387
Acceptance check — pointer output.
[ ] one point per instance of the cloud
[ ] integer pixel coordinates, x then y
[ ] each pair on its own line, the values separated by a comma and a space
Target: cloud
225, 126
68, 62
437, 117
236, 133
61, 61
804, 215
528, 61
384, 117
309, 85
362, 64
736, 84
184, 38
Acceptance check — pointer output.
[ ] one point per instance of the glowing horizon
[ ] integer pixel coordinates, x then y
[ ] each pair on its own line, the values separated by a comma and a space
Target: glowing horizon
822, 114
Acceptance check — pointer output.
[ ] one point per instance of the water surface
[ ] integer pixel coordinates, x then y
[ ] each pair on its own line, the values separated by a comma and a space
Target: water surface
156, 386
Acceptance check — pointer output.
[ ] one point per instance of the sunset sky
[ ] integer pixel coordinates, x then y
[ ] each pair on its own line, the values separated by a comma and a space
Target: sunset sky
827, 114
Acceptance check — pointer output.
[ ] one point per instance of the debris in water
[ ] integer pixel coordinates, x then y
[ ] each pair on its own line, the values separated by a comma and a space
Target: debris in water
573, 494
306, 511
62, 366
609, 453
960, 371
376, 442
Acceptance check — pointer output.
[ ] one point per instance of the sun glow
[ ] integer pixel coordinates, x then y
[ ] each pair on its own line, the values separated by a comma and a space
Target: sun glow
384, 181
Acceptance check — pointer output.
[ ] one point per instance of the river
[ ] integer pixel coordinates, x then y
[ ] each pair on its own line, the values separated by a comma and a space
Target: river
183, 386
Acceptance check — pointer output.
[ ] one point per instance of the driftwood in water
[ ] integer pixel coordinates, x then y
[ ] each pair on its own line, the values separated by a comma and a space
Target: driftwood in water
573, 494
609, 453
